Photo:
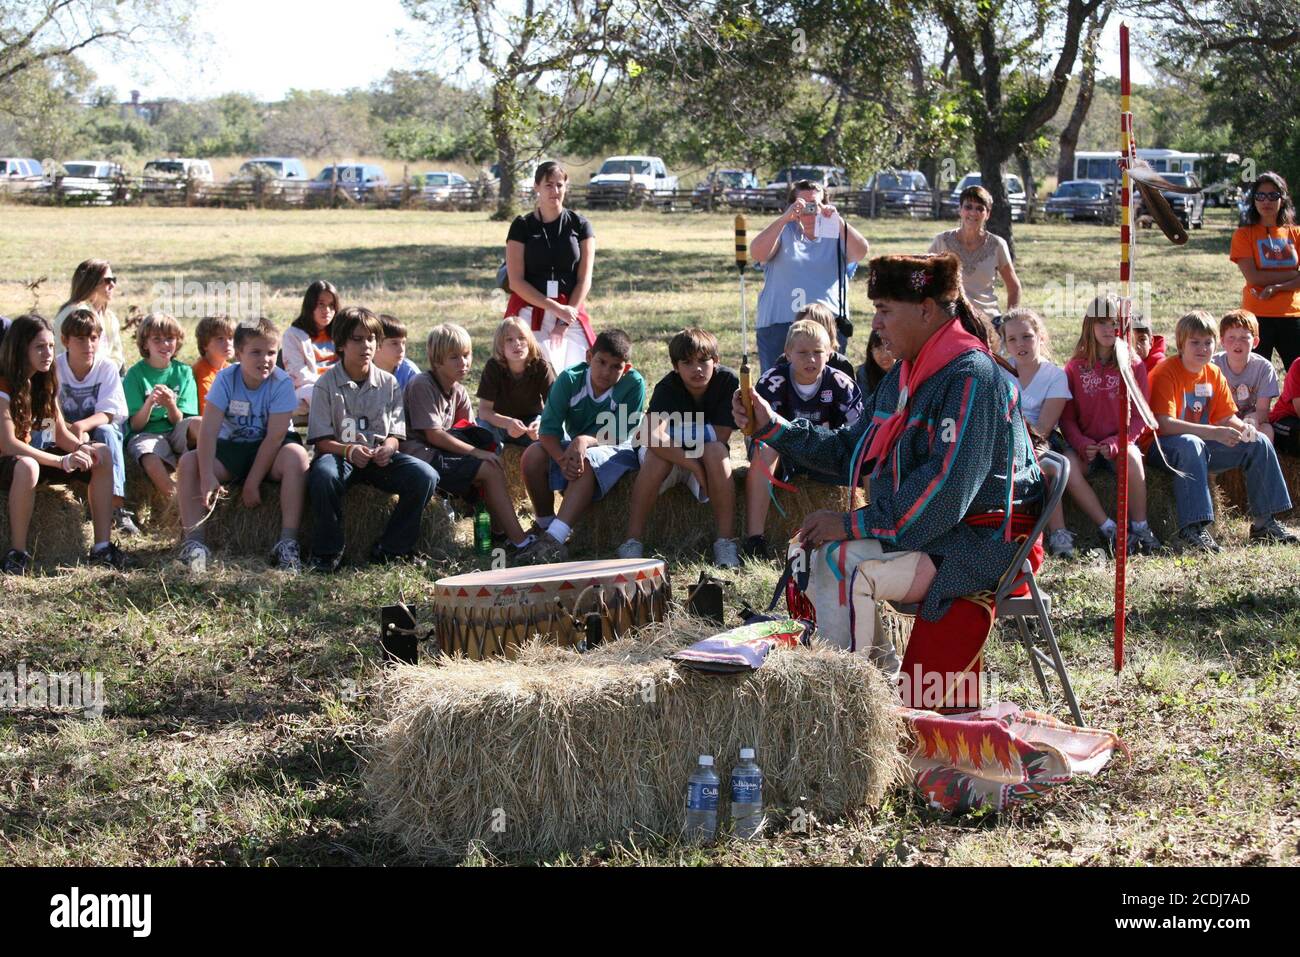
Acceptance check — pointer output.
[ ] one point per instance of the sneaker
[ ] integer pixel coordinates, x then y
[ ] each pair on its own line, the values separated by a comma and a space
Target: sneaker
1060, 544
513, 551
755, 547
16, 562
1143, 542
287, 556
726, 553
1273, 531
630, 549
124, 522
110, 556
545, 551
1198, 537
325, 564
195, 555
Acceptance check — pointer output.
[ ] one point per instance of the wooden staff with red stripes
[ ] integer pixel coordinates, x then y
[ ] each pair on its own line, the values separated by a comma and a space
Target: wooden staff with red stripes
1128, 153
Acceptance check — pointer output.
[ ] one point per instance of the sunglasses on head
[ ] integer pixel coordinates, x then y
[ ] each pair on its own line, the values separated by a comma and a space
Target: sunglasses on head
1268, 194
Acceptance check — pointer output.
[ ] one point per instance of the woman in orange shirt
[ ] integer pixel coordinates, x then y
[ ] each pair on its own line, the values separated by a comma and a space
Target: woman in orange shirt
1265, 247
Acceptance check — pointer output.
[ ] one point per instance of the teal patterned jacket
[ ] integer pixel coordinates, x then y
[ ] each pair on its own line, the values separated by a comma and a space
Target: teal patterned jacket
964, 436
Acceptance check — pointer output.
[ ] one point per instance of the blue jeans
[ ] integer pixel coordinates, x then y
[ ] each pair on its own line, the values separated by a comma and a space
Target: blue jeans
503, 437
111, 436
411, 480
771, 344
1198, 460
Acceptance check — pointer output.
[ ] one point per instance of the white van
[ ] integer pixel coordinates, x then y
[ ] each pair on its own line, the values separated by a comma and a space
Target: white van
165, 175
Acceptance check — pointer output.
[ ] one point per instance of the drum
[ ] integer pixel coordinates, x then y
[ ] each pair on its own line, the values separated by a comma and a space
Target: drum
483, 614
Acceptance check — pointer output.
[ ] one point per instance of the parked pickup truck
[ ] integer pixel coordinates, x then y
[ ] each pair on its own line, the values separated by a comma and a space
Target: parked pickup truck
630, 180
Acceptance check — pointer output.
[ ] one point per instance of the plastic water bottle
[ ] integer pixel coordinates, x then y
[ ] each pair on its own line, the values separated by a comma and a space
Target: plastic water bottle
482, 531
702, 802
747, 797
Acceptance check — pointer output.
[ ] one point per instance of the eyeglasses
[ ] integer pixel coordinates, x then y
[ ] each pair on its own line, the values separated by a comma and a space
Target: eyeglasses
111, 280
1268, 194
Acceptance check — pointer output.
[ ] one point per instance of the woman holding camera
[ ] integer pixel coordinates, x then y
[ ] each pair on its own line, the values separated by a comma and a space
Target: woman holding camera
800, 268
984, 256
549, 255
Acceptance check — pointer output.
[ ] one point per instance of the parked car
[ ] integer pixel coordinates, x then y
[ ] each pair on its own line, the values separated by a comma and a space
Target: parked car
356, 179
776, 194
721, 186
96, 182
168, 175
1224, 193
276, 167
624, 178
1011, 182
1081, 199
905, 192
19, 173
1188, 207
442, 186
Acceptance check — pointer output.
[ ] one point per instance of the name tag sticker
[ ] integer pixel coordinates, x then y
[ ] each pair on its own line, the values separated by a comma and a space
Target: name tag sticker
552, 289
240, 407
1243, 393
1204, 390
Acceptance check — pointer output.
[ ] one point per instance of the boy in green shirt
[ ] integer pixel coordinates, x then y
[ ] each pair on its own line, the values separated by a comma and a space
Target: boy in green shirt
162, 401
584, 441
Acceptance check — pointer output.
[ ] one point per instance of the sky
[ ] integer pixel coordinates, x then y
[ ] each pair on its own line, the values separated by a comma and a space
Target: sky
268, 48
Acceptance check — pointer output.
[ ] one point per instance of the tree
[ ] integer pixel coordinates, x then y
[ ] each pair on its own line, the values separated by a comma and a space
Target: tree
35, 32
1069, 139
1224, 26
316, 123
993, 40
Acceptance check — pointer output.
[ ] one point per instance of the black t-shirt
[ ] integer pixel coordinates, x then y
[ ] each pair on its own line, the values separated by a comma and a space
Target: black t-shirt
671, 395
520, 398
551, 250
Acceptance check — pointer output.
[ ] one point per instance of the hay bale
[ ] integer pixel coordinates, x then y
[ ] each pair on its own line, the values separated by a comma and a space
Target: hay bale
1233, 483
512, 463
236, 530
152, 510
562, 751
60, 531
1162, 511
679, 522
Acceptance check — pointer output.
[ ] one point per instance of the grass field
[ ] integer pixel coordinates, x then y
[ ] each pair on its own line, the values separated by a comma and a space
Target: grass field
237, 706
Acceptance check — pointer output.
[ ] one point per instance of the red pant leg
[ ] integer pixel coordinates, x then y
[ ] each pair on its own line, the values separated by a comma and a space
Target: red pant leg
943, 665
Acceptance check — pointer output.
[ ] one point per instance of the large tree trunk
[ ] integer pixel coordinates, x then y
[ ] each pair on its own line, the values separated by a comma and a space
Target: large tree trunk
992, 156
503, 96
1083, 101
1025, 162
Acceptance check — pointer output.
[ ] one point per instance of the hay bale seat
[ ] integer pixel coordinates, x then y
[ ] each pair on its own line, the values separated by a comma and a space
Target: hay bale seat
60, 532
153, 512
1233, 484
679, 521
1162, 511
235, 530
562, 751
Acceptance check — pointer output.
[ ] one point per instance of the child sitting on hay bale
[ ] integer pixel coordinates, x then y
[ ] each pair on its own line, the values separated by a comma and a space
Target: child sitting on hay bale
1091, 424
163, 401
356, 422
801, 386
29, 389
687, 431
309, 350
1147, 346
246, 437
516, 380
391, 356
1250, 376
821, 314
1200, 434
1285, 414
213, 335
439, 433
583, 450
92, 401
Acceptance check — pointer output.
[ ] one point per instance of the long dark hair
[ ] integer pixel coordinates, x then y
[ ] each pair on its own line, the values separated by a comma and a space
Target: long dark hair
1285, 209
85, 280
872, 374
32, 398
305, 321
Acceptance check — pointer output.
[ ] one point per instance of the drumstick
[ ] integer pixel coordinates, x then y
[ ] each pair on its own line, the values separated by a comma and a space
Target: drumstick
742, 260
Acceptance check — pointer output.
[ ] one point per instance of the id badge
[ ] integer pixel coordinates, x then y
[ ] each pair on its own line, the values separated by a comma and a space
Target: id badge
552, 289
240, 407
1204, 390
828, 227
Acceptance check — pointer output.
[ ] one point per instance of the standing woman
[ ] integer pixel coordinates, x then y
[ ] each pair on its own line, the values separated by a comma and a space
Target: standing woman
549, 255
93, 285
984, 256
798, 268
1264, 247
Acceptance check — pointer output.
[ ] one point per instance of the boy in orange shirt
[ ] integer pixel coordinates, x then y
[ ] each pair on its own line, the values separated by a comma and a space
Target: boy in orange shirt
215, 336
1200, 434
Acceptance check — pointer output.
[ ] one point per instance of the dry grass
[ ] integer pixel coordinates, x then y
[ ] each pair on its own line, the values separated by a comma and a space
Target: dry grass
556, 752
60, 529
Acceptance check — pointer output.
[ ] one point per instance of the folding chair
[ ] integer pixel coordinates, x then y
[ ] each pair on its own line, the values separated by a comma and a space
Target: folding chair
1034, 605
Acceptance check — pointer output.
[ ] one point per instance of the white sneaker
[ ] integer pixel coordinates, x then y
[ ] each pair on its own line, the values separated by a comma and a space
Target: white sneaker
195, 556
1060, 543
631, 549
287, 556
726, 553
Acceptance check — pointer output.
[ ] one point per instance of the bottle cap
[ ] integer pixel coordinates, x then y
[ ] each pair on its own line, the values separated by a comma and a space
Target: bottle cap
706, 760
746, 754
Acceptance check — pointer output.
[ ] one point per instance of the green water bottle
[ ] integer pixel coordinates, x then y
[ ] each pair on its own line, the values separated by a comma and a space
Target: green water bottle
482, 532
